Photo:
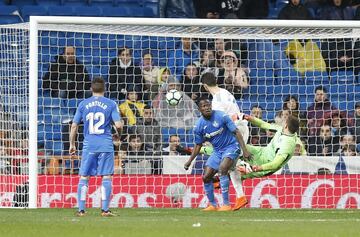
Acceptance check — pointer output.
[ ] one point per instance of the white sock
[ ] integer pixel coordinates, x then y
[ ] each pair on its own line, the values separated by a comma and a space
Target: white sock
237, 183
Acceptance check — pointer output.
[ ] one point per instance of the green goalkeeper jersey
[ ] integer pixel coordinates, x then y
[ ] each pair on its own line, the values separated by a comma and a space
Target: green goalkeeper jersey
280, 149
276, 154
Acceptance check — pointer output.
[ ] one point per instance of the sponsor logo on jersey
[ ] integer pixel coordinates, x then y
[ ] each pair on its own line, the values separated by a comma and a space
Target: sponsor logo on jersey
215, 124
213, 134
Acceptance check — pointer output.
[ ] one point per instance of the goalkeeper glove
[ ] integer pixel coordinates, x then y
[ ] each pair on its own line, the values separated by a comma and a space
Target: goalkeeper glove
244, 167
207, 150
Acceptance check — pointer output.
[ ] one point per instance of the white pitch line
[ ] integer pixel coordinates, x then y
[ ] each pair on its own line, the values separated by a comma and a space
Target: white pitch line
298, 220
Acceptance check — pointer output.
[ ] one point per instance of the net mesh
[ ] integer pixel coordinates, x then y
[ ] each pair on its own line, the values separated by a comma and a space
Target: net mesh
261, 67
14, 110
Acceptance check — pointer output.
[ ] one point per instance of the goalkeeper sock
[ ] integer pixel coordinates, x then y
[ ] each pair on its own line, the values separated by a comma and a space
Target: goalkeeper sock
224, 184
82, 190
209, 191
106, 187
237, 183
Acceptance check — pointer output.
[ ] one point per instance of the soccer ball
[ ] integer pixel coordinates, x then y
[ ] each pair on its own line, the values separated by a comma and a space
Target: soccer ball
173, 97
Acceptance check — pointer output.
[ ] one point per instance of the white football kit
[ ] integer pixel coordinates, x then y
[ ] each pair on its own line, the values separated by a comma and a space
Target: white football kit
225, 102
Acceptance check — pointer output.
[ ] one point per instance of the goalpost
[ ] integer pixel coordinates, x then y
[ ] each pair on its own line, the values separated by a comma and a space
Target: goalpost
260, 46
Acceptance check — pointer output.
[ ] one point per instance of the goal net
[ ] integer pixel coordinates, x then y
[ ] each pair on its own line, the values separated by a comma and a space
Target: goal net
273, 68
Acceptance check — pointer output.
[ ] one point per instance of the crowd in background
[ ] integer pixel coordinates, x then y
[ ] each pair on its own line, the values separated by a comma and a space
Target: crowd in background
140, 88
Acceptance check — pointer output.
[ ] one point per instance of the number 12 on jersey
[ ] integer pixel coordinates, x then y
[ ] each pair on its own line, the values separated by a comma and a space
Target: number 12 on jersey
94, 128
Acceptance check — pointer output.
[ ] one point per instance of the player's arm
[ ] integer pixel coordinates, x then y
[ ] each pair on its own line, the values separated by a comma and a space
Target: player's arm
116, 118
199, 140
119, 127
193, 155
73, 133
259, 123
240, 139
74, 129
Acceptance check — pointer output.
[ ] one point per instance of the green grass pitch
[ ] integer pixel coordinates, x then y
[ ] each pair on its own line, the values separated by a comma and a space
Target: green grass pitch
180, 222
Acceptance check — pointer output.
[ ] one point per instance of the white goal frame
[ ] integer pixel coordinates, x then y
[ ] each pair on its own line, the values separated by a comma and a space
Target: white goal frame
33, 57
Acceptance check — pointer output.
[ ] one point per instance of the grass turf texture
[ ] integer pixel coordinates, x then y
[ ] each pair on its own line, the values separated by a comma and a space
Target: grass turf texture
179, 222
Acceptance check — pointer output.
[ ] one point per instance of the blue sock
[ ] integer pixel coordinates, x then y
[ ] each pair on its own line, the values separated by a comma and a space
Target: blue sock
209, 190
106, 187
224, 184
81, 192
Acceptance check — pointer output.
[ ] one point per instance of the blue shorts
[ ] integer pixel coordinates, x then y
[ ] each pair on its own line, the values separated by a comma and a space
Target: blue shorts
232, 152
97, 163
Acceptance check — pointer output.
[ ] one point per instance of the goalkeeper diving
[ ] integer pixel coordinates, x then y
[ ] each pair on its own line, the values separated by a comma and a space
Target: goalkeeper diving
267, 160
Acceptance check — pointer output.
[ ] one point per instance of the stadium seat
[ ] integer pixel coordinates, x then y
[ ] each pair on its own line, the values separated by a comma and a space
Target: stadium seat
9, 19
71, 103
20, 3
104, 71
269, 115
189, 139
342, 77
153, 4
273, 13
50, 102
41, 132
129, 3
56, 115
316, 78
46, 3
88, 11
150, 12
346, 105
60, 11
103, 2
262, 77
74, 2
8, 10
135, 11
94, 71
54, 147
271, 106
288, 76
52, 132
115, 12
245, 105
31, 10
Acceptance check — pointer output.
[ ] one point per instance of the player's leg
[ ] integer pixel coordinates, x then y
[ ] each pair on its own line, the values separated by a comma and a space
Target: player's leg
209, 188
106, 170
211, 167
224, 168
235, 175
236, 181
87, 168
81, 194
229, 157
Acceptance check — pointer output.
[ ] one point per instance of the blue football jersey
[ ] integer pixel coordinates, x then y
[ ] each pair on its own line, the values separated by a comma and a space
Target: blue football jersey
98, 113
218, 130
